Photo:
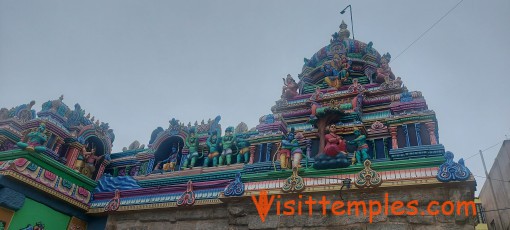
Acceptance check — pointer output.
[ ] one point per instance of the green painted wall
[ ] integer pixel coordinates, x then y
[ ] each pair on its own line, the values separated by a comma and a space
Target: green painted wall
33, 212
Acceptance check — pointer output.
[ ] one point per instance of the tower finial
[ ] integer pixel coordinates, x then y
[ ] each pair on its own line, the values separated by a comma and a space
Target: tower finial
344, 32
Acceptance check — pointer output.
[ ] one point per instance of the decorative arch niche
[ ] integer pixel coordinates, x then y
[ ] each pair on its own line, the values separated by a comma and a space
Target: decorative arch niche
165, 147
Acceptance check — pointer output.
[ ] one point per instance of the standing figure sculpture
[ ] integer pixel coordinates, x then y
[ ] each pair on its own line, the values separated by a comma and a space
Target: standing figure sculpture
90, 159
214, 149
170, 162
192, 145
334, 144
244, 150
290, 147
361, 147
290, 87
36, 139
314, 104
227, 142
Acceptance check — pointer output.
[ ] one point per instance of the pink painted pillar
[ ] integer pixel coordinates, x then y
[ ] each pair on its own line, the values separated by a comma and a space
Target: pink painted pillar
431, 127
100, 171
252, 153
72, 155
58, 145
394, 141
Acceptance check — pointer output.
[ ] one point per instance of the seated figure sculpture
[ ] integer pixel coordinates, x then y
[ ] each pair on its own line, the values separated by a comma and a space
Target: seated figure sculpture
36, 139
290, 147
361, 147
334, 154
384, 71
169, 163
337, 71
214, 150
192, 144
226, 143
290, 87
334, 144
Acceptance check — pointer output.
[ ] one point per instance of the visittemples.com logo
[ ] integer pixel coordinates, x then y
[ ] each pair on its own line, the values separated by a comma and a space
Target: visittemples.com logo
371, 208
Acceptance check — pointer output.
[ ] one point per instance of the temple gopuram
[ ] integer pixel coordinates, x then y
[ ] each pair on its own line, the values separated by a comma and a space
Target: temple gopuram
345, 129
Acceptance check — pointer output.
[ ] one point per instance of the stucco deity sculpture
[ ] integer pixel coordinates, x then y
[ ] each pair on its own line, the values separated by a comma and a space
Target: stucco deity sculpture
334, 144
244, 150
337, 71
214, 150
36, 140
227, 142
290, 87
314, 104
384, 71
290, 148
361, 147
192, 145
170, 162
86, 162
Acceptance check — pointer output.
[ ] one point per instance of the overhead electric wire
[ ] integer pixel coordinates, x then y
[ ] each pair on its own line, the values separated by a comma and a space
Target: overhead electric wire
485, 150
423, 34
492, 178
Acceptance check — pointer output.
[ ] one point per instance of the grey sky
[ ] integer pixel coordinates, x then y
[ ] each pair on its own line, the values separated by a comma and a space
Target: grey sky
137, 64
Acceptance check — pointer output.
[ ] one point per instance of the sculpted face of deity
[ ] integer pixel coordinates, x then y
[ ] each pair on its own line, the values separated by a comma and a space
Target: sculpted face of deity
332, 129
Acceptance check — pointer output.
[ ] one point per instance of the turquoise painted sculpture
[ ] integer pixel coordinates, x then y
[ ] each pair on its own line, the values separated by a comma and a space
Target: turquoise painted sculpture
361, 147
36, 140
227, 142
214, 150
244, 150
192, 145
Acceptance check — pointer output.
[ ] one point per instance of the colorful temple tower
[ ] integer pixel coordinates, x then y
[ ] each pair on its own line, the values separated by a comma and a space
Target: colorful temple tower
347, 130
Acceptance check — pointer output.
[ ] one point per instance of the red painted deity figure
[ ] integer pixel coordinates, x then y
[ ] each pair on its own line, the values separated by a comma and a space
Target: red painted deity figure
334, 144
384, 71
290, 87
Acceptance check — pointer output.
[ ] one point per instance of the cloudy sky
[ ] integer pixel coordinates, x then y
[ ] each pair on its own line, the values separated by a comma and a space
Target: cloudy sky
137, 64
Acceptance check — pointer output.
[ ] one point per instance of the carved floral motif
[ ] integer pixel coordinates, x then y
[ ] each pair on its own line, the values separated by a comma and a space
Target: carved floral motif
294, 183
368, 178
236, 188
188, 197
451, 170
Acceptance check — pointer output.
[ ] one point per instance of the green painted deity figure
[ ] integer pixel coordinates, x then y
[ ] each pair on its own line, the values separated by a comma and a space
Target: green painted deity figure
227, 142
244, 150
192, 145
361, 147
214, 150
36, 140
